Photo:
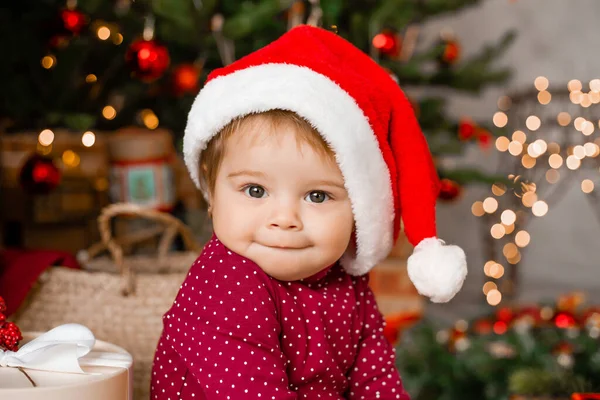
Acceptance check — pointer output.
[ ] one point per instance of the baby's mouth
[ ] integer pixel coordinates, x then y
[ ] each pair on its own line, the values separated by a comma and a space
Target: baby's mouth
284, 247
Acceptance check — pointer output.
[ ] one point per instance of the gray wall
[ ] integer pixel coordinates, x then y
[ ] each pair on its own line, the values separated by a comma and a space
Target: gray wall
557, 39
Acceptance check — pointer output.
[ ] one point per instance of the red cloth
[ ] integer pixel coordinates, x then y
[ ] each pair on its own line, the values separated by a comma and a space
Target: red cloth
20, 269
234, 332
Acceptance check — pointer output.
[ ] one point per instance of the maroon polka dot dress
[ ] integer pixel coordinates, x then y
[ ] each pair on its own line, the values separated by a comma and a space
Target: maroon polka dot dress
235, 333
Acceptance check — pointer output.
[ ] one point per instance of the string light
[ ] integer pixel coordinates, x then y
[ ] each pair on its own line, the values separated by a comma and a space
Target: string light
529, 199
88, 139
498, 231
533, 123
109, 112
509, 228
508, 217
534, 153
519, 136
489, 286
477, 209
490, 205
48, 61
502, 143
118, 39
573, 162
579, 152
510, 250
46, 137
496, 271
576, 97
515, 148
487, 266
494, 297
70, 159
574, 85
500, 119
541, 83
522, 238
504, 103
103, 33
91, 78
528, 162
552, 176
563, 118
587, 128
515, 260
149, 118
591, 149
553, 148
586, 101
539, 208
555, 161
587, 186
544, 97
498, 189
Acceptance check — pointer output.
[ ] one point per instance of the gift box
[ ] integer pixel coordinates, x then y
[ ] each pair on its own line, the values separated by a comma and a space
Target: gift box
98, 370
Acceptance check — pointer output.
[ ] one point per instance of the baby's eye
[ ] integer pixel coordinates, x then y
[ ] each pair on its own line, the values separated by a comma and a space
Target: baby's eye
317, 196
255, 191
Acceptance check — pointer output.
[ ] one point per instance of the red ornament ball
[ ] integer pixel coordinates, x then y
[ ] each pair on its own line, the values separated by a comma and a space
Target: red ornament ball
500, 327
186, 79
466, 129
388, 43
505, 314
484, 138
64, 26
565, 320
451, 52
147, 59
73, 20
39, 175
449, 190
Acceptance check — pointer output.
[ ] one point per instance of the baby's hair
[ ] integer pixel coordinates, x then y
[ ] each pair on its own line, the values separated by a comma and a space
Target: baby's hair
213, 154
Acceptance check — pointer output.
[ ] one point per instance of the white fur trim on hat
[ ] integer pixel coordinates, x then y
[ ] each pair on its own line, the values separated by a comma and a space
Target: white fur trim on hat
437, 270
334, 113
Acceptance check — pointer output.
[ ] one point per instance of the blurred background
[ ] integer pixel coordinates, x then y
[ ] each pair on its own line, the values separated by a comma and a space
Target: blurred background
94, 100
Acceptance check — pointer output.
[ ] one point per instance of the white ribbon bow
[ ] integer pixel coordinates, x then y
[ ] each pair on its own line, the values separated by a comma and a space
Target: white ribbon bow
62, 349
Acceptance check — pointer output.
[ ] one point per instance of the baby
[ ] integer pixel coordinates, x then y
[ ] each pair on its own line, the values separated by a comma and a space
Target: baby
306, 151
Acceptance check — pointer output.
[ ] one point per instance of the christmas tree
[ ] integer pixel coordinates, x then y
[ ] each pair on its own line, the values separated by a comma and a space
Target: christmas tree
538, 351
102, 65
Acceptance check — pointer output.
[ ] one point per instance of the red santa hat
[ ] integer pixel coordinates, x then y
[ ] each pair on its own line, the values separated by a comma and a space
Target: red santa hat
368, 122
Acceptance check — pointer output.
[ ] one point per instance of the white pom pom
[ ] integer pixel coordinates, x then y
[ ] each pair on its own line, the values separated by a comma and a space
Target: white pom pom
437, 271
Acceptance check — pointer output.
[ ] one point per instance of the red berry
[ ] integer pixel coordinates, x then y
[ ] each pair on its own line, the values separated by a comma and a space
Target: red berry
10, 336
2, 305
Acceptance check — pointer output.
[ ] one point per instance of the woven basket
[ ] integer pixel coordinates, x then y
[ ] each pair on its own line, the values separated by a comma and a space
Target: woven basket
121, 299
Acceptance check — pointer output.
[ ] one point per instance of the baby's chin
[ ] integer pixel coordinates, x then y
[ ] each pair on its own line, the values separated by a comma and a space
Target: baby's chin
287, 267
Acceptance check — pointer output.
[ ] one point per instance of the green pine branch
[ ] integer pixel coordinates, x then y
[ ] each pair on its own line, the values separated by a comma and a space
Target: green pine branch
477, 72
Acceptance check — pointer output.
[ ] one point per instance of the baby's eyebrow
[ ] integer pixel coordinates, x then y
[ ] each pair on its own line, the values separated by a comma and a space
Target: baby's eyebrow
328, 183
246, 172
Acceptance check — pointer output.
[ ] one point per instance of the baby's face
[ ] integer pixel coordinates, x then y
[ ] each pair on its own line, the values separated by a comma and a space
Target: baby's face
280, 203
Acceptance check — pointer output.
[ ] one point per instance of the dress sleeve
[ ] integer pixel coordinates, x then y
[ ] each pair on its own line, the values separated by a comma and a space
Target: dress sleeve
224, 330
374, 374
